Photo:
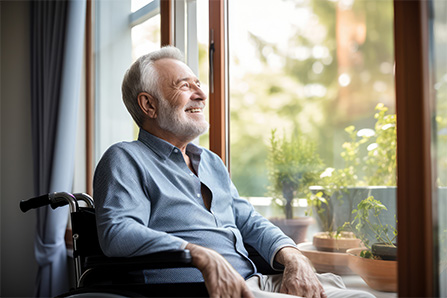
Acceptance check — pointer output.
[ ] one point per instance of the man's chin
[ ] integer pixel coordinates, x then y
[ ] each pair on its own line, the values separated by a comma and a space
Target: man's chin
189, 133
198, 131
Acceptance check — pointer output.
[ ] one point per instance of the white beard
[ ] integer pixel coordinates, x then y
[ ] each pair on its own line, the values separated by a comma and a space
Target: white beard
174, 120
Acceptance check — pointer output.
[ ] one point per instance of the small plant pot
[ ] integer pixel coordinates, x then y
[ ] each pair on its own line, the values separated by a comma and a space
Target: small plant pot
326, 241
323, 262
385, 251
378, 274
295, 228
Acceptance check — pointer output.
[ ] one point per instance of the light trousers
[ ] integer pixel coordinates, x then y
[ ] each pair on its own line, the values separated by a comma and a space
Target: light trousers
268, 286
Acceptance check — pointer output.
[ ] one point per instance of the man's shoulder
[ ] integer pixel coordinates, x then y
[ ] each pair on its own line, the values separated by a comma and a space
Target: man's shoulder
121, 147
131, 149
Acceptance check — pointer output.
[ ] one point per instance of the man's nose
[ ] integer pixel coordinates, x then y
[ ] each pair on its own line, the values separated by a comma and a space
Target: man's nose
199, 94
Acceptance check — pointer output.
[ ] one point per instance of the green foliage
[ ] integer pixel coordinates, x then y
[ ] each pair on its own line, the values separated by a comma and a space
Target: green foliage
271, 96
381, 160
369, 159
370, 155
293, 165
367, 254
367, 224
320, 205
441, 146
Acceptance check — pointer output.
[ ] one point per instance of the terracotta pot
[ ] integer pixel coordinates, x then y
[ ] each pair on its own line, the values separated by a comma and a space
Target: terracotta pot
295, 228
324, 241
323, 262
378, 274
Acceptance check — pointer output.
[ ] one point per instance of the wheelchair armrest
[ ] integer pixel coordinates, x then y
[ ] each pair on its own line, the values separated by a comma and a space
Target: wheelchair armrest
262, 265
164, 259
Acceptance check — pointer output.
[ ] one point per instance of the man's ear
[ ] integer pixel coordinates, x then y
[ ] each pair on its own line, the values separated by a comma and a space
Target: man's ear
147, 104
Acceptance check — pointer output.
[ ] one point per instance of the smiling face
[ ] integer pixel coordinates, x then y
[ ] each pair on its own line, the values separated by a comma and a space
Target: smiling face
180, 110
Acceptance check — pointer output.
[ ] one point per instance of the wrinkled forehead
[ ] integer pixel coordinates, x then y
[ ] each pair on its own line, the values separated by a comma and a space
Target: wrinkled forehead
172, 70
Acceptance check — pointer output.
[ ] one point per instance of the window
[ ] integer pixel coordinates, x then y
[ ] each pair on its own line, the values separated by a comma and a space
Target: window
438, 49
317, 74
315, 67
125, 30
191, 37
112, 58
321, 71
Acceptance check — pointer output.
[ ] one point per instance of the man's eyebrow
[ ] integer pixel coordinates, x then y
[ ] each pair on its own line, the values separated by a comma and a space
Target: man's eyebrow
186, 79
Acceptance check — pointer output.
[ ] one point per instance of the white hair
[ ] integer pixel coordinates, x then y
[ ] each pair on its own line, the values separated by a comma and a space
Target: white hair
142, 77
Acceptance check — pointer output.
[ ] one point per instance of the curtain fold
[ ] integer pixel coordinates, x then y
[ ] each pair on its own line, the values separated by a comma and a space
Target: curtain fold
57, 38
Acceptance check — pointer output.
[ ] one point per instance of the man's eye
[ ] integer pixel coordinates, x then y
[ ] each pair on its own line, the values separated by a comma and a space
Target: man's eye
185, 85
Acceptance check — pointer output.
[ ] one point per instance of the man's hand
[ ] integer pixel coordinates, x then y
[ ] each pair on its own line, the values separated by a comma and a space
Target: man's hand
221, 279
298, 278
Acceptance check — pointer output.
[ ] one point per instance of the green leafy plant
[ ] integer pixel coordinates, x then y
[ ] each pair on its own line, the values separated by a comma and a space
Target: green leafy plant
319, 204
293, 165
380, 163
369, 158
370, 154
367, 225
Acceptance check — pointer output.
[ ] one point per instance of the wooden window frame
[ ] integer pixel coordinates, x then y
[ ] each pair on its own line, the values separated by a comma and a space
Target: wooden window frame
166, 22
416, 267
217, 94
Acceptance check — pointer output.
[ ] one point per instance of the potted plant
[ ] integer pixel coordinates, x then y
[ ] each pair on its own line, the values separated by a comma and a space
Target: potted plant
369, 169
330, 239
333, 200
328, 250
377, 263
369, 157
293, 165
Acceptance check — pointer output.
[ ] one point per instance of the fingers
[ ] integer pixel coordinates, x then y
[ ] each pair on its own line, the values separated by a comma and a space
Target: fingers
299, 278
221, 279
302, 286
237, 291
246, 293
303, 292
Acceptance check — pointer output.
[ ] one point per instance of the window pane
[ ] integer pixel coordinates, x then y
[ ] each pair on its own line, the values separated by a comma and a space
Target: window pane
117, 46
203, 71
112, 58
137, 4
146, 37
321, 71
439, 71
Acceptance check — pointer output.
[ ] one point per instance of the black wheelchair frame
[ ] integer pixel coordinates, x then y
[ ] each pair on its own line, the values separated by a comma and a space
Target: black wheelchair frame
105, 276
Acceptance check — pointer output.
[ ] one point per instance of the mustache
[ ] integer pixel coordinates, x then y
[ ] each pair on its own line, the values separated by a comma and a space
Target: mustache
195, 105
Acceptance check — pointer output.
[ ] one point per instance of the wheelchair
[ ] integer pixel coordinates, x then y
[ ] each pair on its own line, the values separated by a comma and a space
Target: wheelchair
97, 275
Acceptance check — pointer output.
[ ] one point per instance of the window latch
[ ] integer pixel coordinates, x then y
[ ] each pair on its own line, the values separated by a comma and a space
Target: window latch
211, 62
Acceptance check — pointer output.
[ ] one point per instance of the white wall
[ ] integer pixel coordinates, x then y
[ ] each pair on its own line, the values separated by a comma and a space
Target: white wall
17, 265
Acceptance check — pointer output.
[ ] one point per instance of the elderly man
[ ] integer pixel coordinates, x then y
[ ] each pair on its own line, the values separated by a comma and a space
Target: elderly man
162, 192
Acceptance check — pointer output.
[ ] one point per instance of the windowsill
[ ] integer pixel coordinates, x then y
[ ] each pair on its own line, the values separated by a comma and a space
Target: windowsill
355, 282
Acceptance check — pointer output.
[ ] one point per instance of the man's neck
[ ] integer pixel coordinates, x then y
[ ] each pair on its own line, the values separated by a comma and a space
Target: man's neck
168, 137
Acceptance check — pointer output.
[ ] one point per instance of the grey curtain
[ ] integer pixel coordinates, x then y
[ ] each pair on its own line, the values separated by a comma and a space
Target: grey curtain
57, 38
